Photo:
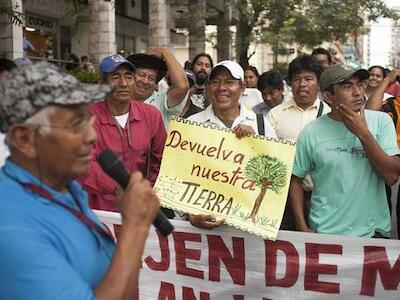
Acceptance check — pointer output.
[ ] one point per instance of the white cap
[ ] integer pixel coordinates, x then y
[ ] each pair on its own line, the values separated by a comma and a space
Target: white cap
233, 67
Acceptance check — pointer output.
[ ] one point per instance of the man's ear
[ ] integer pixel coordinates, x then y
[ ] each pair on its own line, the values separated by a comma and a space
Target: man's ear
328, 97
23, 138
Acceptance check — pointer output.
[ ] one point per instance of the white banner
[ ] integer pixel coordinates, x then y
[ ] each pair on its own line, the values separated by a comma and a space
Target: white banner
226, 263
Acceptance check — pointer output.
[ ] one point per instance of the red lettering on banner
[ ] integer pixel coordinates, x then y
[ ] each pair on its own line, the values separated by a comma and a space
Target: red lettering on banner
167, 291
163, 264
376, 261
292, 263
188, 294
182, 253
235, 263
314, 268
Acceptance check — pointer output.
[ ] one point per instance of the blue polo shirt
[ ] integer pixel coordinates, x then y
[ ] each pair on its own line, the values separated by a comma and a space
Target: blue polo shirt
45, 251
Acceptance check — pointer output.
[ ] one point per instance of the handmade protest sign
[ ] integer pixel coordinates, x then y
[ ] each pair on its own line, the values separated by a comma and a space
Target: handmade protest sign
208, 170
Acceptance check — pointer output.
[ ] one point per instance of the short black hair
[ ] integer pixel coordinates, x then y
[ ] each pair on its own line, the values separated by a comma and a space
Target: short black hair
187, 65
201, 55
304, 63
322, 51
272, 79
254, 70
6, 64
384, 72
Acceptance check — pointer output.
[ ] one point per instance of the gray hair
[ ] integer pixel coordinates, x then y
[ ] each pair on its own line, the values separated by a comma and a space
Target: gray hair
28, 89
42, 117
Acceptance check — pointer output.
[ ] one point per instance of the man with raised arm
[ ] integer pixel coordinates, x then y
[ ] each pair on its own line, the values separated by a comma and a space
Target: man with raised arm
150, 69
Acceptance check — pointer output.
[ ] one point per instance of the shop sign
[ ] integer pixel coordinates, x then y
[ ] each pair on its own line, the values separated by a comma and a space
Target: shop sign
39, 22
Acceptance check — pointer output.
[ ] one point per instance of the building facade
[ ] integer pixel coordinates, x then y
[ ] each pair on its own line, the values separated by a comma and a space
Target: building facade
48, 34
128, 26
395, 45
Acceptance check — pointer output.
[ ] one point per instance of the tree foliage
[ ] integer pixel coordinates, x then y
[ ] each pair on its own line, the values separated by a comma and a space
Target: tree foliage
266, 170
11, 10
307, 23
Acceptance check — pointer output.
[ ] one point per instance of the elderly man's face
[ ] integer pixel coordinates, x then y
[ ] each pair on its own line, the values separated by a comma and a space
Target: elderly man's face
145, 82
223, 91
63, 147
122, 79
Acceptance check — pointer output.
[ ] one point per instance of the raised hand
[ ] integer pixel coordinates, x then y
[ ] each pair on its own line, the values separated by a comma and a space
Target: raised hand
355, 122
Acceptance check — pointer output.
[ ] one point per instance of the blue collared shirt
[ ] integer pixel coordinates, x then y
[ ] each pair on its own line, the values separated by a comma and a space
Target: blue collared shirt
45, 251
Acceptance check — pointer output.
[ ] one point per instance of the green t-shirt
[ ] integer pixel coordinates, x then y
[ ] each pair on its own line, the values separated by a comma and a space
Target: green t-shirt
349, 197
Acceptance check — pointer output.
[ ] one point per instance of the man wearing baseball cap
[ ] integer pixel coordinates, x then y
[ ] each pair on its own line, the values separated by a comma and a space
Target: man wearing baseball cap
226, 85
223, 91
151, 67
132, 129
52, 244
350, 154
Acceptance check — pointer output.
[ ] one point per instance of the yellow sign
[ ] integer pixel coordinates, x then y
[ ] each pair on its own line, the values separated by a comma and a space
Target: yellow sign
208, 170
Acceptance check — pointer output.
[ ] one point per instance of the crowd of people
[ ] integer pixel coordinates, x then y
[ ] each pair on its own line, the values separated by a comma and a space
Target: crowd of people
342, 117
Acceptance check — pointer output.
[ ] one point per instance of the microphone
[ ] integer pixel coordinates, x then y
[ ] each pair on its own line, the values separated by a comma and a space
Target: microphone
114, 167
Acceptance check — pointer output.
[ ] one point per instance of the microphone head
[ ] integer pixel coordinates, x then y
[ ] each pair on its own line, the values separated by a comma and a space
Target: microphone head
114, 167
107, 158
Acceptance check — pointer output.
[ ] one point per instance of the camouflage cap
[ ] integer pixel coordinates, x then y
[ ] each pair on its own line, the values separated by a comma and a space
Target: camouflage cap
30, 88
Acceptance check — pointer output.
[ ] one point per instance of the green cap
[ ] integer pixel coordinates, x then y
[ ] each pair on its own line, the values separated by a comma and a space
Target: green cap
339, 73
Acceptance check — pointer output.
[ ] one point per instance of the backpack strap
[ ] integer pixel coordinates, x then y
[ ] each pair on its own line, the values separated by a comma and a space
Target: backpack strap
260, 124
320, 109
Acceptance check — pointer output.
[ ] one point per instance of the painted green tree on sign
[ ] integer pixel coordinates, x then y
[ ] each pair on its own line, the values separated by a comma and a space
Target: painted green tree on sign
268, 173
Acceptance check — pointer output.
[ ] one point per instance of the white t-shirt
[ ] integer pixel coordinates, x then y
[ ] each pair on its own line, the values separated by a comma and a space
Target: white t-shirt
122, 119
246, 117
251, 97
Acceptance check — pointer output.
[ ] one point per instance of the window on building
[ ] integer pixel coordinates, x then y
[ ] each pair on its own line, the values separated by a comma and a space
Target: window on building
145, 10
126, 45
120, 7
